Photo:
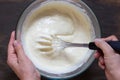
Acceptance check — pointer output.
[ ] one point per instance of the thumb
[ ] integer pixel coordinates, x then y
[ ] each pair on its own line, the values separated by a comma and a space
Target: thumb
105, 47
19, 50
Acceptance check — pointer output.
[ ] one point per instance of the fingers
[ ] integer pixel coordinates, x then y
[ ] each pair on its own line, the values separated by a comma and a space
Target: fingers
106, 48
15, 49
10, 45
12, 57
19, 50
101, 63
113, 38
97, 55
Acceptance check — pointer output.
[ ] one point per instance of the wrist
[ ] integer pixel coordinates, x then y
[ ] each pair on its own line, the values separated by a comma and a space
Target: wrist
35, 76
31, 78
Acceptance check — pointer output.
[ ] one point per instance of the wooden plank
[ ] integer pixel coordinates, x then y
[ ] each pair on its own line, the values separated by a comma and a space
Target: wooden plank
107, 12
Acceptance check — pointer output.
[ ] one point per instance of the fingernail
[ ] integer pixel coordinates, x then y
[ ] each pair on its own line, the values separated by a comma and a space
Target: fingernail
15, 43
13, 32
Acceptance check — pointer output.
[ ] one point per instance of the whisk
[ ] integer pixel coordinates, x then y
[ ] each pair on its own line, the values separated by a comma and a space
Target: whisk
56, 42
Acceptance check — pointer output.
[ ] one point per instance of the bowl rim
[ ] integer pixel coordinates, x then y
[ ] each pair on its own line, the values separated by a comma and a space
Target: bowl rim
92, 18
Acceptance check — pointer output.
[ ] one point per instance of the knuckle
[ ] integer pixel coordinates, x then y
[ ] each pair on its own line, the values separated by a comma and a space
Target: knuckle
8, 62
113, 36
101, 43
18, 47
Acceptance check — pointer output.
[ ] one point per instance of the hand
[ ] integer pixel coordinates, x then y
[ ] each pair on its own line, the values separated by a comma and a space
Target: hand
110, 60
19, 62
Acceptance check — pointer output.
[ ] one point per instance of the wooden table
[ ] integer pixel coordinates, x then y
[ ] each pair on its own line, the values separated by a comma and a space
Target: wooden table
107, 12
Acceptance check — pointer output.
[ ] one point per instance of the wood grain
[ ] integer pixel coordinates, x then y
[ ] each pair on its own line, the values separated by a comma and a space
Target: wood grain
13, 0
110, 2
106, 11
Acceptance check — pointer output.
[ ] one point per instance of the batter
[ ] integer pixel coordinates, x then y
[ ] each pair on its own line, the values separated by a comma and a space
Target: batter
65, 21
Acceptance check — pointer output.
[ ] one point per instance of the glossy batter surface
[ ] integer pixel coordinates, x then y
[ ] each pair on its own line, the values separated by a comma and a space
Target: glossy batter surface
65, 21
